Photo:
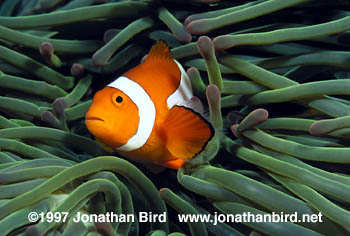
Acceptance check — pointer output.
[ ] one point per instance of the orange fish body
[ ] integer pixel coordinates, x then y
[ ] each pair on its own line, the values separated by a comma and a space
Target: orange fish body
143, 115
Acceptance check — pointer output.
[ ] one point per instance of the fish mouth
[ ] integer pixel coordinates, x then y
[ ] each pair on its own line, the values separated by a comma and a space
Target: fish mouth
92, 118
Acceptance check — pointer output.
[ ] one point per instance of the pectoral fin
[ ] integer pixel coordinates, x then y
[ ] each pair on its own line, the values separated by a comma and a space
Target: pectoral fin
185, 132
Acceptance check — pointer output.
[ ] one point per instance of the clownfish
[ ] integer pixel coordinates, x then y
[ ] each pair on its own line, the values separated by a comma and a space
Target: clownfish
143, 116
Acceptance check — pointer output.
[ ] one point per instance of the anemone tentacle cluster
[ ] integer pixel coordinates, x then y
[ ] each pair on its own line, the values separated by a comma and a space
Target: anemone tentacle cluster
273, 75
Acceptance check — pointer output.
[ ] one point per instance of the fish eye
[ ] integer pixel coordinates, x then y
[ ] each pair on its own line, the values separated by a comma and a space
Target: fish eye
119, 99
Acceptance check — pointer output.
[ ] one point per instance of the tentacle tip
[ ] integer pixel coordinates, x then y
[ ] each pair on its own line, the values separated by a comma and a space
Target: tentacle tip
194, 26
314, 129
189, 27
262, 114
46, 116
96, 60
46, 49
205, 47
192, 71
213, 93
32, 231
163, 193
77, 69
188, 20
59, 105
185, 37
104, 228
235, 131
220, 43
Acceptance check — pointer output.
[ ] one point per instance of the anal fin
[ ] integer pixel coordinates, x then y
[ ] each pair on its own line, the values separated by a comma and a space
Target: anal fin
173, 164
185, 132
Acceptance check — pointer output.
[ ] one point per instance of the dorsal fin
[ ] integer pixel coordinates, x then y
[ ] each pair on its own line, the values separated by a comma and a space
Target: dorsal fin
159, 51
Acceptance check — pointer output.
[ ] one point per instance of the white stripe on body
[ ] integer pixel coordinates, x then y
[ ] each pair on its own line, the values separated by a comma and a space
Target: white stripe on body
147, 112
183, 93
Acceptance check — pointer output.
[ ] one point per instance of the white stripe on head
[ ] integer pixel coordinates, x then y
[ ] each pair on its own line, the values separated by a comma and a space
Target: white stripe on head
184, 92
147, 112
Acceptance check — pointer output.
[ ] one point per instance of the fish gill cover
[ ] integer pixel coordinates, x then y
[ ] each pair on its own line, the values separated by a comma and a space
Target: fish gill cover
274, 76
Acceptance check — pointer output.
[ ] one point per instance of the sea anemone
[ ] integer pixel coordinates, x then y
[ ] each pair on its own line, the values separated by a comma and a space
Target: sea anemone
273, 75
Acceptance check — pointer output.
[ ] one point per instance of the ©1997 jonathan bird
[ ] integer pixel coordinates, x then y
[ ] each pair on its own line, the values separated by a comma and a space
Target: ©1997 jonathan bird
147, 115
